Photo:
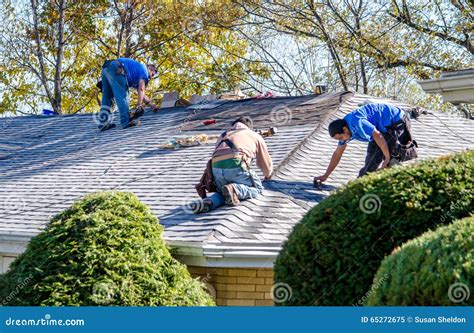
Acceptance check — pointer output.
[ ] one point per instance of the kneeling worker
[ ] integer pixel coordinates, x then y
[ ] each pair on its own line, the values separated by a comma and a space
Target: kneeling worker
385, 127
231, 173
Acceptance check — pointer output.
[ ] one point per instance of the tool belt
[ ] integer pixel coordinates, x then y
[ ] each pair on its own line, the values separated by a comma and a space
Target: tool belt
403, 147
206, 183
232, 157
228, 158
120, 68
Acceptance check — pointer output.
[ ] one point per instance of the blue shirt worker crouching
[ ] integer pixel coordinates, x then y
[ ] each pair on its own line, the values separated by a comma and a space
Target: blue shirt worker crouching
383, 126
117, 77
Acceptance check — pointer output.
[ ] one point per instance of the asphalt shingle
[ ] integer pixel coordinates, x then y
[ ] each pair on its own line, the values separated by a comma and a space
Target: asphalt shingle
48, 162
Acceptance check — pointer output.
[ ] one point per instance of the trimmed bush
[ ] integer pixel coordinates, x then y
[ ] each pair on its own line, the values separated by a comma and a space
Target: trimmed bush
332, 255
107, 249
436, 268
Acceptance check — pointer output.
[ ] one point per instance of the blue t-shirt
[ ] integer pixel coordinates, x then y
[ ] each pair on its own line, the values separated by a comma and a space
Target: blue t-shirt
135, 70
364, 120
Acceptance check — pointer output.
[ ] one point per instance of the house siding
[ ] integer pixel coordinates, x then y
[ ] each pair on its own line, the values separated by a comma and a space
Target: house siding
237, 286
5, 262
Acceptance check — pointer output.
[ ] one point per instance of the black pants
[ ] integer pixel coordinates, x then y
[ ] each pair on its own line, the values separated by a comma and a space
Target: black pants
375, 155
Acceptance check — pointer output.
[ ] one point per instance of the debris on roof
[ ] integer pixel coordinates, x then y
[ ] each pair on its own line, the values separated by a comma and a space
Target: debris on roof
233, 95
68, 158
189, 141
169, 99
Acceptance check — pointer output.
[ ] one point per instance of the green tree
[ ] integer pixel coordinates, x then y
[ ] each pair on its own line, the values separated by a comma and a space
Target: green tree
371, 45
51, 52
43, 58
188, 41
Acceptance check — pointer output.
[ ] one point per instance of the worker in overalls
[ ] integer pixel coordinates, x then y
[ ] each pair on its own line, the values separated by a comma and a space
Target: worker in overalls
231, 160
117, 77
385, 127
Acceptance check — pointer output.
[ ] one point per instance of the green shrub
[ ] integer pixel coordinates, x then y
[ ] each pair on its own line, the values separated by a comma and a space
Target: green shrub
107, 249
332, 255
436, 268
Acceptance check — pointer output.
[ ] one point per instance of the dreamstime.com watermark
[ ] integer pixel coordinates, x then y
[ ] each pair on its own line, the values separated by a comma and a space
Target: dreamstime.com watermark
105, 116
6, 123
370, 203
46, 321
281, 115
22, 284
458, 292
281, 292
458, 205
192, 205
209, 287
374, 287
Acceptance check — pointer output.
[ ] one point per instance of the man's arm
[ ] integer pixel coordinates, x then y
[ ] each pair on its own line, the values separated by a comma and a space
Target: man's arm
143, 99
380, 141
264, 160
336, 157
141, 92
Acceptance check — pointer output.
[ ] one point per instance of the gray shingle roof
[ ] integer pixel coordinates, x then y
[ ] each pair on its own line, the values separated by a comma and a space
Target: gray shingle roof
48, 162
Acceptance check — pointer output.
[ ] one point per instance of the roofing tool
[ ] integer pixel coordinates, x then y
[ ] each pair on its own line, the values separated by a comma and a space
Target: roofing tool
267, 132
209, 122
320, 186
317, 184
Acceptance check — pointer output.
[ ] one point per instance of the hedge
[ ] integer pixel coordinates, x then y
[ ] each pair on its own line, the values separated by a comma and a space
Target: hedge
107, 249
332, 255
436, 268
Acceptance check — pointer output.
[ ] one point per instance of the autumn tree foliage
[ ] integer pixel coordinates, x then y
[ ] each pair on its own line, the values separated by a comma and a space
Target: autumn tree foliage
361, 44
51, 52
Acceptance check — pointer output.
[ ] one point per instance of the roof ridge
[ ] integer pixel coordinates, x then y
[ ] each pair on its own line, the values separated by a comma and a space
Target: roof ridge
173, 108
289, 156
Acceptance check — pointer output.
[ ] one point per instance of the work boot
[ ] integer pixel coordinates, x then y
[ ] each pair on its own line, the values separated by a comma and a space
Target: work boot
106, 127
137, 113
133, 123
230, 196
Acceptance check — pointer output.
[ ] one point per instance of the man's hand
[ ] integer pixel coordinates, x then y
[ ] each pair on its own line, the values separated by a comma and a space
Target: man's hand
152, 107
386, 163
320, 179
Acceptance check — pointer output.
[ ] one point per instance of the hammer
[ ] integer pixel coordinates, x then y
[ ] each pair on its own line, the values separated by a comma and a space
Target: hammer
267, 132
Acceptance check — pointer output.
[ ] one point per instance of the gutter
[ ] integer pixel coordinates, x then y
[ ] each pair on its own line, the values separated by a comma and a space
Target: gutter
13, 245
189, 253
456, 87
225, 255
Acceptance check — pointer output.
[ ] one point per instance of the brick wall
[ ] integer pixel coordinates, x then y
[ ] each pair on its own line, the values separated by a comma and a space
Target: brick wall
237, 286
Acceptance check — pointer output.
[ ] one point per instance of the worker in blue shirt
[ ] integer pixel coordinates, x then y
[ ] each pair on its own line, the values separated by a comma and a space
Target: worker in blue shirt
381, 125
117, 77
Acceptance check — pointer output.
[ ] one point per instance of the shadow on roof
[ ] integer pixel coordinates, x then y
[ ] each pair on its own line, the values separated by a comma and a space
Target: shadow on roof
299, 190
